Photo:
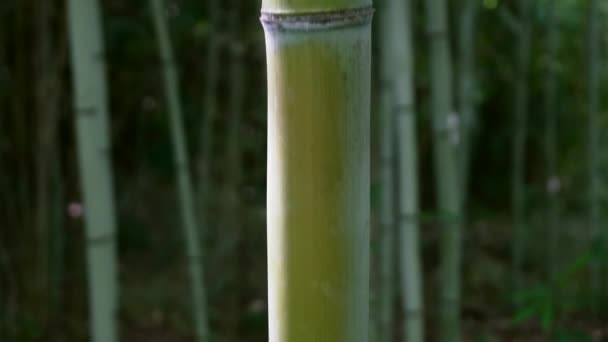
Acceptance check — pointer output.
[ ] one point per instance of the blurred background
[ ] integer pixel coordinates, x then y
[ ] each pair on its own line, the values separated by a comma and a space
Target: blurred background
220, 63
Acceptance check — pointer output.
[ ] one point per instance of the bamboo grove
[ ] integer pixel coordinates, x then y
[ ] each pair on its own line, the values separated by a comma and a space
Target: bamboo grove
303, 170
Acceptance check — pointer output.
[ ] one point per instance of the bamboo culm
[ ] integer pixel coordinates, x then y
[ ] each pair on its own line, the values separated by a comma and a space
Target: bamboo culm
93, 138
318, 64
593, 133
467, 89
446, 130
518, 196
552, 178
182, 172
386, 251
404, 111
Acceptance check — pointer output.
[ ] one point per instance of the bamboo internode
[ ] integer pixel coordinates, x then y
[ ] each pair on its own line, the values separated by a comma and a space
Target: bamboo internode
318, 169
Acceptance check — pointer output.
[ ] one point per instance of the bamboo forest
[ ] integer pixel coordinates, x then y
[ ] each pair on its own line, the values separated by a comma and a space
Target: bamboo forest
303, 170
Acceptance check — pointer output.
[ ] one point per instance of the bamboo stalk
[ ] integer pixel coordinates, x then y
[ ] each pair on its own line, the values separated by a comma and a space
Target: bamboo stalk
92, 135
447, 143
318, 59
386, 279
593, 133
182, 172
402, 66
518, 199
551, 117
466, 92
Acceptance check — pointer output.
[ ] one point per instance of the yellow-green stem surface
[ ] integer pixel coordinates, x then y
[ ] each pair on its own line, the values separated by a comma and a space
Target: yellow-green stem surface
318, 184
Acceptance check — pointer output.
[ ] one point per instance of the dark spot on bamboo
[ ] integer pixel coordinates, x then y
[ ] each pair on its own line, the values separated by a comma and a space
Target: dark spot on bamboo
87, 111
101, 240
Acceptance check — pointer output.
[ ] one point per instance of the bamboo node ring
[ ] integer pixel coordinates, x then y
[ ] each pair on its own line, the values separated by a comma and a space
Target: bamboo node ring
321, 20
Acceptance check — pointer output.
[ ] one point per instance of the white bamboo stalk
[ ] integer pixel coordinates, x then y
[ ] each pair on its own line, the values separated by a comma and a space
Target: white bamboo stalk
446, 127
402, 67
93, 138
386, 253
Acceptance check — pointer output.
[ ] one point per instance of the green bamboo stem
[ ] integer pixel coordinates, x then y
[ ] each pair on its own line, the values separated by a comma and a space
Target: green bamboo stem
93, 137
518, 197
402, 67
386, 252
593, 133
318, 60
551, 117
182, 170
447, 144
466, 89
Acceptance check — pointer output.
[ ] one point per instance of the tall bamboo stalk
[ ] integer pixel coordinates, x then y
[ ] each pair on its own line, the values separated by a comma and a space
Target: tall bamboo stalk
318, 58
93, 137
466, 90
593, 133
386, 250
447, 144
518, 197
402, 67
551, 117
182, 172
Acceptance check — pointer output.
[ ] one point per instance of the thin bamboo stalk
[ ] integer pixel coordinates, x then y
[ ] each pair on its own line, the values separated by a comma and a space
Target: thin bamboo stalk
551, 119
92, 135
402, 66
318, 58
447, 143
386, 278
593, 133
466, 90
518, 196
182, 173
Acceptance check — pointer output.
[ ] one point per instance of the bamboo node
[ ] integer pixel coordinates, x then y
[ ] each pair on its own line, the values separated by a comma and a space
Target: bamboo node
316, 21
